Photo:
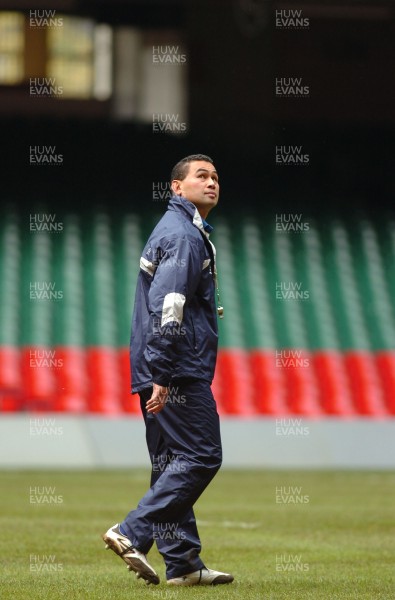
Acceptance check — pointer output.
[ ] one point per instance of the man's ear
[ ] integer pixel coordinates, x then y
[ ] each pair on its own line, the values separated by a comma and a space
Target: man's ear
176, 187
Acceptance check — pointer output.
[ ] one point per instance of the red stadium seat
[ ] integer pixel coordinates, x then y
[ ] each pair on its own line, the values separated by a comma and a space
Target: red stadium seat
332, 383
236, 394
268, 383
301, 385
216, 388
385, 362
71, 378
365, 383
38, 379
104, 380
130, 403
10, 379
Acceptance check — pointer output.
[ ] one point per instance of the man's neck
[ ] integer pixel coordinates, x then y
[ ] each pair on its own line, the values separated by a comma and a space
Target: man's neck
202, 212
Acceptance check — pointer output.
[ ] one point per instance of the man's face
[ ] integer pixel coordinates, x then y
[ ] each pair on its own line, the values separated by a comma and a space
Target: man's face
200, 186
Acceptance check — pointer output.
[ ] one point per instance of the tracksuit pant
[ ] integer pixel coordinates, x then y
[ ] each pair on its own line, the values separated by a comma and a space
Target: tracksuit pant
184, 444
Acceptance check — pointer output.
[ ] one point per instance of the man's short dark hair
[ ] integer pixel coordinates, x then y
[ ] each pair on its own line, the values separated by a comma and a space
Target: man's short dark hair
180, 170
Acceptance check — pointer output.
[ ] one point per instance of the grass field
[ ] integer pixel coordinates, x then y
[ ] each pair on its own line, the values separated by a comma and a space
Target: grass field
331, 538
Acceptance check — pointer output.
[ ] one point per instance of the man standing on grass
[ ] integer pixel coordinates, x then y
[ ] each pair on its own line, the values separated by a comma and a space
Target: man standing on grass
173, 355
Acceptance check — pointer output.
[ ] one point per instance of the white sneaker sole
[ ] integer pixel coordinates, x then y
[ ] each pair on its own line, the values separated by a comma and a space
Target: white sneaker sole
202, 579
133, 561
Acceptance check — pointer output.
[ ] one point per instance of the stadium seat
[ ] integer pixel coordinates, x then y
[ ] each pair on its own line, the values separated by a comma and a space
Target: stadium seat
216, 388
10, 379
385, 361
71, 380
268, 384
130, 403
329, 351
301, 387
236, 393
104, 381
365, 384
333, 385
38, 379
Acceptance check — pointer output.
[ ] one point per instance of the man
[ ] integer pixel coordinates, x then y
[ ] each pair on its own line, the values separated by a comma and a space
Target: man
173, 355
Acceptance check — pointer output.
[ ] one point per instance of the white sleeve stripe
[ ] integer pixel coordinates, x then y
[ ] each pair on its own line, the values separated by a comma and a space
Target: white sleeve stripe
173, 308
147, 266
206, 263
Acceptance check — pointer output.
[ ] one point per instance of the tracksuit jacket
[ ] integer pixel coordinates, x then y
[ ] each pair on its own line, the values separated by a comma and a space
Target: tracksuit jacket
174, 324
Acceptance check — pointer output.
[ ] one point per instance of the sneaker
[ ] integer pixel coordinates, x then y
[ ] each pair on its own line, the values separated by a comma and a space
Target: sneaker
202, 577
135, 560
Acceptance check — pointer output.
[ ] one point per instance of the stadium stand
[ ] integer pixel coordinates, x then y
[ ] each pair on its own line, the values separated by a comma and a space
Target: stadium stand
309, 325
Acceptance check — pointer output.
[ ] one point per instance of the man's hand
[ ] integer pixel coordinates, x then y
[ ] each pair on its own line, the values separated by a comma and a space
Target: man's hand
158, 399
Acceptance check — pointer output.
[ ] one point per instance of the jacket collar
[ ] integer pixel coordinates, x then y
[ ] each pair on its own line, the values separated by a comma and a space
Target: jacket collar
179, 203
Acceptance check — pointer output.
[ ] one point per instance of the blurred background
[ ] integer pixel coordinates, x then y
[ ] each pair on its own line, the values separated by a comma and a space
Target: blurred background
295, 103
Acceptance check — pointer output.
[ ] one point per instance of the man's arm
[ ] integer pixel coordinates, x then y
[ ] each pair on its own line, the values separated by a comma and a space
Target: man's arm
175, 281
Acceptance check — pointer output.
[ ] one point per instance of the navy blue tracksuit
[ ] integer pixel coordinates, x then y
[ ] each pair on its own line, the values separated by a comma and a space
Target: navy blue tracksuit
174, 344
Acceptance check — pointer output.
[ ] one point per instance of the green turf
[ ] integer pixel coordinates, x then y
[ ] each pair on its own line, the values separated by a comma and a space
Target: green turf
342, 536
